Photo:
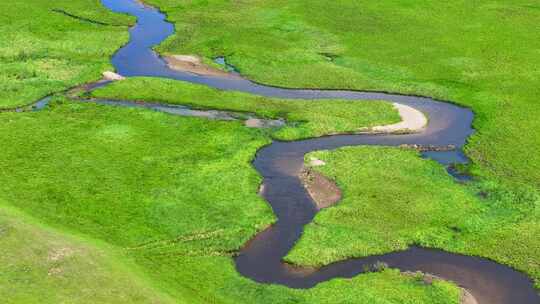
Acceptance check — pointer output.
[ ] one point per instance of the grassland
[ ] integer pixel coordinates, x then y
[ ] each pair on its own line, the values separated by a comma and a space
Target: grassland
158, 204
152, 198
306, 118
395, 199
41, 265
483, 55
43, 50
480, 54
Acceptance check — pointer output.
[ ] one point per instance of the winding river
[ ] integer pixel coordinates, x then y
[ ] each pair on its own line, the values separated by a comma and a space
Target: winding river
281, 162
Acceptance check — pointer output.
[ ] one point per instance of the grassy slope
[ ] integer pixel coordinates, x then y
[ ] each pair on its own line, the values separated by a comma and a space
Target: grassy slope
40, 265
308, 118
483, 54
176, 195
395, 199
42, 51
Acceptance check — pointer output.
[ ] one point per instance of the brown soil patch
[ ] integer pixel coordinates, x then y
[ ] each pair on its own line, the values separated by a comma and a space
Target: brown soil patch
300, 271
322, 190
194, 64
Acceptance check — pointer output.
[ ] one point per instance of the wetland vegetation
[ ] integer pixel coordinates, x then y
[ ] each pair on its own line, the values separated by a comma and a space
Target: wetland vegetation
394, 199
305, 118
483, 55
145, 207
160, 202
49, 46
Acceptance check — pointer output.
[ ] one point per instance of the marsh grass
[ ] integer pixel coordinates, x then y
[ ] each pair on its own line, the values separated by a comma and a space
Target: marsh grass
306, 118
42, 51
394, 199
483, 55
175, 197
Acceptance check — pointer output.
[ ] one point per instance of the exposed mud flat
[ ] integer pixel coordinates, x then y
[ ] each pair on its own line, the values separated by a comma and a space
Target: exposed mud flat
323, 191
254, 122
412, 121
194, 64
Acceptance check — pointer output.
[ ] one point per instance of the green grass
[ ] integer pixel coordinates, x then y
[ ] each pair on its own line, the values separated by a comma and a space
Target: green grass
162, 202
41, 265
168, 200
42, 51
394, 199
307, 118
482, 54
129, 176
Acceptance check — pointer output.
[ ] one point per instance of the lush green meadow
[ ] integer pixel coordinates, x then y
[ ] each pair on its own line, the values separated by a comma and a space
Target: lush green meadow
306, 118
482, 54
43, 51
394, 199
106, 204
159, 205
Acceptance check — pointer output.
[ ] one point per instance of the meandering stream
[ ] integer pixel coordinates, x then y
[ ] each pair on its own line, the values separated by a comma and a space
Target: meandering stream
281, 163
